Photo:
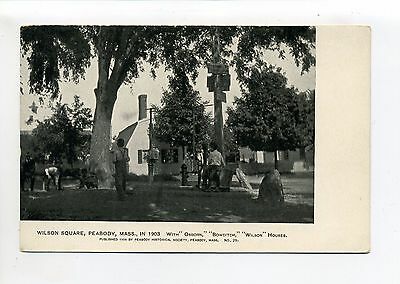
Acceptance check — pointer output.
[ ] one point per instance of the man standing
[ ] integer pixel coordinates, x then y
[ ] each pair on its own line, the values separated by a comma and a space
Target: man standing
28, 172
120, 160
215, 162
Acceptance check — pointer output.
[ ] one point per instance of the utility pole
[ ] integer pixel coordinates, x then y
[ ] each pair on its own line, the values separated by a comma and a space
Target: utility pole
150, 161
218, 119
218, 82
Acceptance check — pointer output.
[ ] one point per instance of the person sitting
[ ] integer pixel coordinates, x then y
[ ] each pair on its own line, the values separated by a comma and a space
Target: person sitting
88, 180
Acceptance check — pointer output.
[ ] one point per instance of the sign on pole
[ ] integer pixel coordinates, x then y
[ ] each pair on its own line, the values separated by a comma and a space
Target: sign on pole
211, 83
224, 82
217, 68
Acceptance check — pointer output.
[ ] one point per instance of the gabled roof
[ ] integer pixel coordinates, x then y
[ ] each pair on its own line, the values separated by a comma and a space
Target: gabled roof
126, 134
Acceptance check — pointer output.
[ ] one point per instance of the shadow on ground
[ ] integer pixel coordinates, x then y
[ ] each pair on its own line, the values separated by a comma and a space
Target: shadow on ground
166, 202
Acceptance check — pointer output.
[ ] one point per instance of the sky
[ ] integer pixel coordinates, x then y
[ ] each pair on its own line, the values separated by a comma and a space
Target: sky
126, 106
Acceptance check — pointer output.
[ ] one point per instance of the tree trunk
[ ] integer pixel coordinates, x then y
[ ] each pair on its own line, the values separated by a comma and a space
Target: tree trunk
276, 159
100, 154
106, 95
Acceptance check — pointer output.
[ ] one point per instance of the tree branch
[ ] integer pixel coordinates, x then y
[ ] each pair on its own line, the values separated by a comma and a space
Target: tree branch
119, 57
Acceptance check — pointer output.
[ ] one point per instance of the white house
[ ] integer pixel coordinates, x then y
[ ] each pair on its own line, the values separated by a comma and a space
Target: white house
136, 139
171, 159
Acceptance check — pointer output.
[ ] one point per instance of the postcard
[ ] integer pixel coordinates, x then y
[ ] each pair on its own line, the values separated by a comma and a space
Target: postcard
194, 138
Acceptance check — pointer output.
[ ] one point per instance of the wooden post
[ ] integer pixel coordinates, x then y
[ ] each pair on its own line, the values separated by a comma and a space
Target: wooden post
218, 118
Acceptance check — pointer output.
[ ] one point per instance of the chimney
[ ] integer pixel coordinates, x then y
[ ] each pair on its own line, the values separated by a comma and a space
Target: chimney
142, 106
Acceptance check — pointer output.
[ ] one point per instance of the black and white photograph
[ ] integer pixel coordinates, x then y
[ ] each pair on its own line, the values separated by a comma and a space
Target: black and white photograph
198, 142
167, 123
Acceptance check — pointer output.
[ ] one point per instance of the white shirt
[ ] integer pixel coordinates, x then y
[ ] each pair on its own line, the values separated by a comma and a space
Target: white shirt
51, 171
215, 159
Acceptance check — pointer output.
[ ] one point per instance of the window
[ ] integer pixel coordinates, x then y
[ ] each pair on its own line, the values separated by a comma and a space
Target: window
169, 156
142, 156
286, 155
283, 155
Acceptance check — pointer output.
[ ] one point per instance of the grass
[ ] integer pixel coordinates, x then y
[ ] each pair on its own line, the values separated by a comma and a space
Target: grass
164, 201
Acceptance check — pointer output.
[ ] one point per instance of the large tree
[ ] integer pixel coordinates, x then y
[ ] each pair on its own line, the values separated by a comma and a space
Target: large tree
181, 119
267, 116
62, 135
57, 52
66, 51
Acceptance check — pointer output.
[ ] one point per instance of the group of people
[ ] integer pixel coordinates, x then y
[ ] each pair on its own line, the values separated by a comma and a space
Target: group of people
210, 171
51, 173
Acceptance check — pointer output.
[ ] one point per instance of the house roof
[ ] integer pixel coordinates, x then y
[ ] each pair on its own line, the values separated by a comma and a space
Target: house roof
126, 134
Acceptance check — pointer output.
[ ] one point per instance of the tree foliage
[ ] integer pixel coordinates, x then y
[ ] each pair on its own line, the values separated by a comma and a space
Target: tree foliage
188, 48
62, 135
306, 129
181, 116
253, 42
55, 53
267, 116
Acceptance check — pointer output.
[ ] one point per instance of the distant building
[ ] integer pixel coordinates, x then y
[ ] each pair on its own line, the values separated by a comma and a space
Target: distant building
137, 141
302, 159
